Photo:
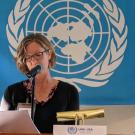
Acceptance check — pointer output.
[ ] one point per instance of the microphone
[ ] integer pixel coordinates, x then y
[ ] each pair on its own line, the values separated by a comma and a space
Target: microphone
32, 73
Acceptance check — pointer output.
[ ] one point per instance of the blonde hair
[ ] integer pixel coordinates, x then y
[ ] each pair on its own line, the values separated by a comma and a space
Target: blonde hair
21, 50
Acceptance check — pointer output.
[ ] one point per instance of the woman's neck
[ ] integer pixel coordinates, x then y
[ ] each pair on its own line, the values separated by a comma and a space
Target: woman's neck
43, 79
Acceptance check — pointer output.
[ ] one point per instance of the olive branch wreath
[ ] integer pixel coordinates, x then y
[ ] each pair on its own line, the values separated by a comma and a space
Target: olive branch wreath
15, 32
99, 75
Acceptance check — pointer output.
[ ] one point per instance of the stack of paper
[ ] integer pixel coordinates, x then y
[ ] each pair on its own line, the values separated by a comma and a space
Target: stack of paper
16, 122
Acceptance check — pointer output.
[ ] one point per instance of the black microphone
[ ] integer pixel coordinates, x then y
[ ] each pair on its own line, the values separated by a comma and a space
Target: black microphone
32, 73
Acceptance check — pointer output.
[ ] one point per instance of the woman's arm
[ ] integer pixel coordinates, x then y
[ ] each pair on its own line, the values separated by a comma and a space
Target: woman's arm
73, 100
3, 105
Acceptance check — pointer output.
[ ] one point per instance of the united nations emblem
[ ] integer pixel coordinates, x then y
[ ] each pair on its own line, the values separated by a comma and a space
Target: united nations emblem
89, 38
72, 130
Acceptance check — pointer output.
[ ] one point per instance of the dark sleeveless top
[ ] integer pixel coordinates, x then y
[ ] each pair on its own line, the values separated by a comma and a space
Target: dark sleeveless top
65, 98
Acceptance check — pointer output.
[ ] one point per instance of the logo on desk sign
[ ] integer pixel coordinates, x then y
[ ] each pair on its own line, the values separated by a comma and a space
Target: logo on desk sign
82, 130
72, 130
89, 37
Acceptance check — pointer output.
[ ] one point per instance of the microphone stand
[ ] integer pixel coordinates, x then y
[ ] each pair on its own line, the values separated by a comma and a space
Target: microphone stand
32, 99
31, 74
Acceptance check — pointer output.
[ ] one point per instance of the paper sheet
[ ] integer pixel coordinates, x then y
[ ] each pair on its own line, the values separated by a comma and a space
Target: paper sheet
16, 122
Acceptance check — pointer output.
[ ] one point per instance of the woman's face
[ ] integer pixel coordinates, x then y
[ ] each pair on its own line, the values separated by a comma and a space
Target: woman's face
36, 55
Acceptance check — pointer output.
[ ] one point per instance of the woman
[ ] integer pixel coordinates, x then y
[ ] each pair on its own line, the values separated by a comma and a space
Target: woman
51, 95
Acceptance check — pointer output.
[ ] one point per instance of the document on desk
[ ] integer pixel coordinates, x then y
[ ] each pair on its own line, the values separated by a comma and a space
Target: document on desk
16, 122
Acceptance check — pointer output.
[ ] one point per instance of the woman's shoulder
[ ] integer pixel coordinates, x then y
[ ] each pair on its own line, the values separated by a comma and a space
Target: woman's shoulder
67, 86
13, 88
17, 85
64, 83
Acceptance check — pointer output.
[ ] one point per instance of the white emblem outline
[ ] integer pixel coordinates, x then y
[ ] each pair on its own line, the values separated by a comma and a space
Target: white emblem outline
100, 74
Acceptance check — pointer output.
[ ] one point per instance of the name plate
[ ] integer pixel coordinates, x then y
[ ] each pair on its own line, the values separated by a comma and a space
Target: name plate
79, 130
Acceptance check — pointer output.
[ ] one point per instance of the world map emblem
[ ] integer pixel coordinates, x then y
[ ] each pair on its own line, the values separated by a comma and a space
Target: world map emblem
89, 38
